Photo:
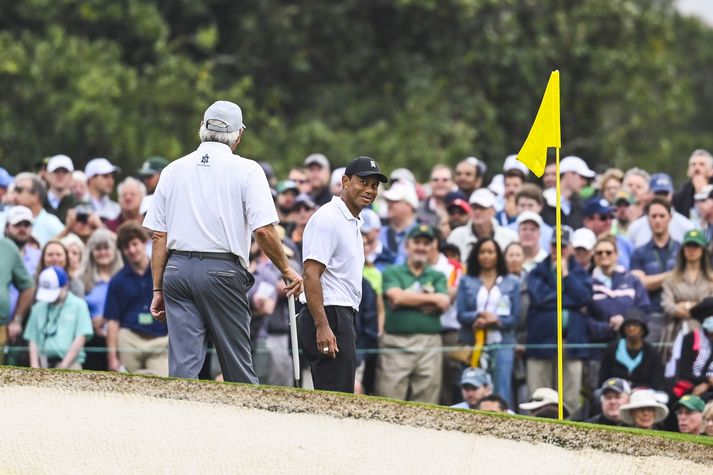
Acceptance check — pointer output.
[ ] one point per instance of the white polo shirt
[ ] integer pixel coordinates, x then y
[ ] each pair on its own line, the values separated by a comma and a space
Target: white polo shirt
333, 237
211, 201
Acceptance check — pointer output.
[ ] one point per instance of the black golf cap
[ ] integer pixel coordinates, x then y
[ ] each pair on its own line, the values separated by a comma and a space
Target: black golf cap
363, 167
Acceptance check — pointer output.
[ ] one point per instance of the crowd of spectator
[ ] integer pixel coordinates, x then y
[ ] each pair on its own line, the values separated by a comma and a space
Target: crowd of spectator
459, 302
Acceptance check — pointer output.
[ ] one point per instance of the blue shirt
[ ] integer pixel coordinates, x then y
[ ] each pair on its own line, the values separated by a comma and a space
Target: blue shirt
96, 298
653, 260
128, 300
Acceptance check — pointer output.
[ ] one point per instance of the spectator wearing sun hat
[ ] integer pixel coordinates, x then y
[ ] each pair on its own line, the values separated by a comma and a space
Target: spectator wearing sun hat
544, 403
101, 176
482, 224
643, 411
574, 173
59, 323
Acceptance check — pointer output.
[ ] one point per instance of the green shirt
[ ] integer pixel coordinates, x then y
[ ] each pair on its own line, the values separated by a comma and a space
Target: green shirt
53, 327
411, 320
12, 271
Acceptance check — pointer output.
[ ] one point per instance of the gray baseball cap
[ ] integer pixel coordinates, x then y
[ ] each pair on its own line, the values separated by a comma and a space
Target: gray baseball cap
226, 112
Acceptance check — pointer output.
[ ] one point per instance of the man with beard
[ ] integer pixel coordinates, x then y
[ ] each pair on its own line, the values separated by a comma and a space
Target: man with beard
333, 256
18, 229
287, 192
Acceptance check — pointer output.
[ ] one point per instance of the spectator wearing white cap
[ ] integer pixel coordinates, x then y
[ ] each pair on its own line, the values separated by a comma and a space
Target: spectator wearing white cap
513, 180
59, 196
432, 208
18, 228
319, 173
574, 174
529, 198
482, 224
636, 181
583, 241
335, 182
30, 191
131, 195
700, 174
639, 232
469, 175
101, 175
402, 204
529, 231
59, 323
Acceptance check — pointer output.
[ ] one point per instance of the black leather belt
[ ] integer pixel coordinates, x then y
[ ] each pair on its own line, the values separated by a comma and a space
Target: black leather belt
220, 256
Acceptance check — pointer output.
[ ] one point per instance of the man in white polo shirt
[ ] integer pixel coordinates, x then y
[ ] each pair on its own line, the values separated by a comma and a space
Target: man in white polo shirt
205, 208
333, 256
100, 184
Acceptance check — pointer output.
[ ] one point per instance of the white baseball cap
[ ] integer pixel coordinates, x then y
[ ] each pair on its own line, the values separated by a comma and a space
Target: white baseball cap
402, 191
576, 165
584, 237
50, 284
541, 397
18, 214
402, 174
529, 216
228, 113
497, 184
99, 166
512, 162
482, 197
60, 161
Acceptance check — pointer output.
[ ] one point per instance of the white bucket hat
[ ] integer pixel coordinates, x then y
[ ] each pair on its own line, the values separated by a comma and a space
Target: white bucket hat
640, 399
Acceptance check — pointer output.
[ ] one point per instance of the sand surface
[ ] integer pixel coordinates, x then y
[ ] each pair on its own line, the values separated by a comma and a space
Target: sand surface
61, 429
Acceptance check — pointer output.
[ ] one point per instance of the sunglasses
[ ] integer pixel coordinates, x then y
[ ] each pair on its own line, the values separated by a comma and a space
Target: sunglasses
603, 253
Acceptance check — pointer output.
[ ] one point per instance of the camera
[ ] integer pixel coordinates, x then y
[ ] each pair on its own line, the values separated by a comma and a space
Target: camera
83, 212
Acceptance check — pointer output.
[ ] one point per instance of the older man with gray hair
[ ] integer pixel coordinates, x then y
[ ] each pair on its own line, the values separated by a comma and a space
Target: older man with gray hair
131, 193
700, 175
206, 208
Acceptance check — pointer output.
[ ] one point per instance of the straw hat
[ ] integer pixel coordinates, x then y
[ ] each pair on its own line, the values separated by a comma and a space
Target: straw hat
640, 399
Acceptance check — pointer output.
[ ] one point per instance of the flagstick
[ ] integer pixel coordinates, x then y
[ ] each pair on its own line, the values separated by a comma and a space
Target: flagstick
558, 218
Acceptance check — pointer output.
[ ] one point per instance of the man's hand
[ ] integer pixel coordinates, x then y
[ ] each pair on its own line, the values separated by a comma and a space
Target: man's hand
326, 339
293, 282
158, 308
14, 329
699, 181
113, 362
700, 389
615, 322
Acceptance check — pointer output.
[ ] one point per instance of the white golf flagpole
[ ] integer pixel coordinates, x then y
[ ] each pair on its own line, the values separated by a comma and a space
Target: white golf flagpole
293, 337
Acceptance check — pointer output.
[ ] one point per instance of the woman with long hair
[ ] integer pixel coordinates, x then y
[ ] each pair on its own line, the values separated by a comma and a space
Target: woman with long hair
101, 261
691, 281
54, 253
488, 304
75, 251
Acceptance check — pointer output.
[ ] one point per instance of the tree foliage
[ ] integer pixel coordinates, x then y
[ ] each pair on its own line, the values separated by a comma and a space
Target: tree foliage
410, 82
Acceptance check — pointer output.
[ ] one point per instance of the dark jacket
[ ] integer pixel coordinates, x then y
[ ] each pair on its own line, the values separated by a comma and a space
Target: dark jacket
626, 292
684, 367
65, 204
648, 374
600, 419
683, 199
542, 313
573, 219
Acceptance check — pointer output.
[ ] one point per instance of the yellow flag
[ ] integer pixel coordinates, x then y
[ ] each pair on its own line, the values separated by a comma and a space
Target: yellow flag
545, 131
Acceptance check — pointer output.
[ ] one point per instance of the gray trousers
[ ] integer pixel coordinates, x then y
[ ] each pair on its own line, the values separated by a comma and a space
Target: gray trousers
208, 296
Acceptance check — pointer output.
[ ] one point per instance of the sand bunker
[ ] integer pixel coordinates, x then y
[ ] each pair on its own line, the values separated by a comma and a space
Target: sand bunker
58, 428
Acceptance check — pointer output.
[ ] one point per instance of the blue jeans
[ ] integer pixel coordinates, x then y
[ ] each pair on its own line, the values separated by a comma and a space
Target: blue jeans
504, 363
